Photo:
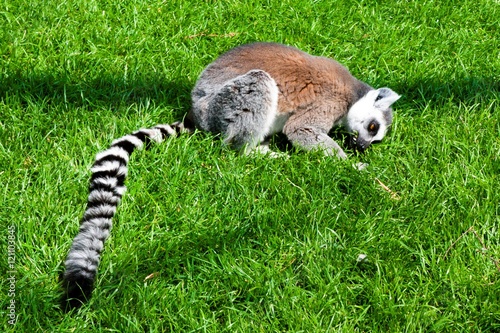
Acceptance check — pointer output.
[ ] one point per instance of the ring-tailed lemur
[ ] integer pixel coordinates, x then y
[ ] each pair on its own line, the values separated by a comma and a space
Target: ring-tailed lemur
246, 95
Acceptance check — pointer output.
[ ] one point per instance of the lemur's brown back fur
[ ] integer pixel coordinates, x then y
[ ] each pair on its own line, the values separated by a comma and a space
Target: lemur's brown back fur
302, 79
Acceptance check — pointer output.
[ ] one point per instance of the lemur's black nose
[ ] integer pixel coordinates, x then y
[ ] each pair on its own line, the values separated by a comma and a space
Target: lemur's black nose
361, 145
357, 144
361, 149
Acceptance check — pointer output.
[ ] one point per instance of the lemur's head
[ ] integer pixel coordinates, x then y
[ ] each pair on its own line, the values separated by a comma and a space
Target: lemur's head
369, 118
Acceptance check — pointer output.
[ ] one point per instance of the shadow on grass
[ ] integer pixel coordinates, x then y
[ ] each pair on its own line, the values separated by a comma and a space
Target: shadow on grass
108, 91
439, 91
113, 91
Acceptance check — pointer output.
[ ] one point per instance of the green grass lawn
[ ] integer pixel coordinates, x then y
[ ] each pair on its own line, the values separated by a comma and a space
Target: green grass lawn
209, 241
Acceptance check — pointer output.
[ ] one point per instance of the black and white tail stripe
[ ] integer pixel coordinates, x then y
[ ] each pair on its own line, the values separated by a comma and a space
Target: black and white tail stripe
105, 191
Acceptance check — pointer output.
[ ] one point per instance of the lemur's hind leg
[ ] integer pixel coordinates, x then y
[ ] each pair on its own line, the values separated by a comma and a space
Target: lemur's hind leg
243, 110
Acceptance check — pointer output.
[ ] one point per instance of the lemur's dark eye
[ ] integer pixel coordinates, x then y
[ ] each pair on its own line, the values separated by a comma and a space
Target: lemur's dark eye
373, 127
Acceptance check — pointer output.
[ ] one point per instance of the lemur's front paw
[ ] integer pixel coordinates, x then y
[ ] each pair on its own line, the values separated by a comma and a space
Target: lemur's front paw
360, 166
264, 149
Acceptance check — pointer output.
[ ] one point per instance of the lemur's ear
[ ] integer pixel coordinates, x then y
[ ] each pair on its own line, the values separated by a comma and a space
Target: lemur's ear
384, 98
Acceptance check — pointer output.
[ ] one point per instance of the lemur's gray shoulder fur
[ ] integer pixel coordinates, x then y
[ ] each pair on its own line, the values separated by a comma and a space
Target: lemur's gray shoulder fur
246, 95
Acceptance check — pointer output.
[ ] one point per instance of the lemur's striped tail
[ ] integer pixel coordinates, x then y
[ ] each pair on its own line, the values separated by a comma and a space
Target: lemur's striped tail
105, 191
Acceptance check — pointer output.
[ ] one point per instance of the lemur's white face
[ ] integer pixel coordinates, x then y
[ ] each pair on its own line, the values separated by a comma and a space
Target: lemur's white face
369, 118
